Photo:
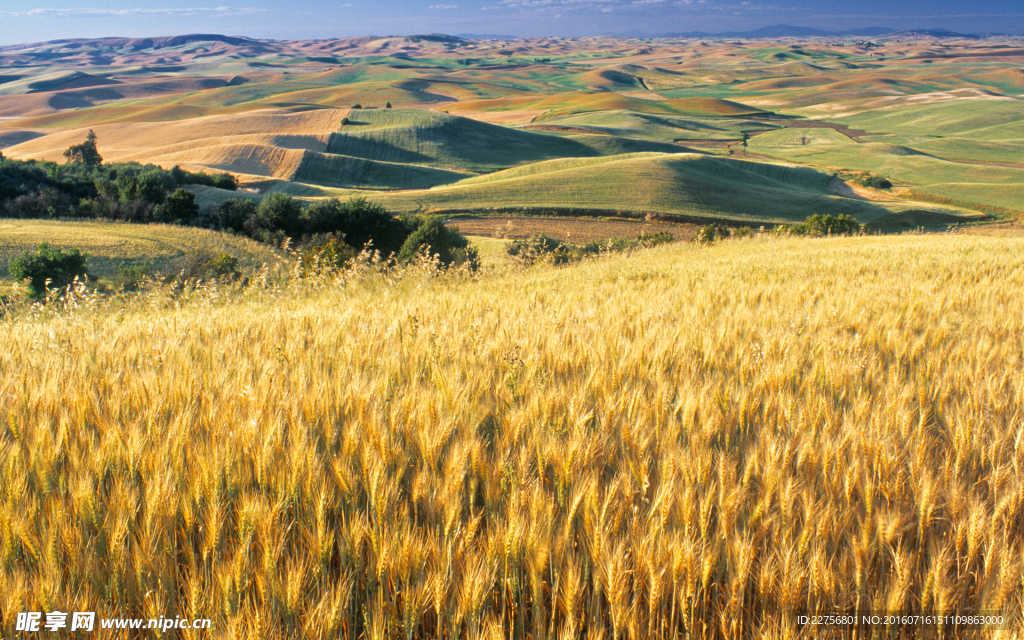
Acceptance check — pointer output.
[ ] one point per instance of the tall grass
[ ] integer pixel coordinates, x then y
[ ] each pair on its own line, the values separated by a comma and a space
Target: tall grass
683, 443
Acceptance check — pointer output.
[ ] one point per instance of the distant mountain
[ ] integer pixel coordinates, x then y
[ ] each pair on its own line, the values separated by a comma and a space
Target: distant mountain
790, 31
486, 36
932, 33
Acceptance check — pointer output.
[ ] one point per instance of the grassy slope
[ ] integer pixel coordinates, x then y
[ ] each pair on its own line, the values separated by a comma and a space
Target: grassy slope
333, 170
943, 118
447, 141
685, 184
983, 184
162, 247
664, 128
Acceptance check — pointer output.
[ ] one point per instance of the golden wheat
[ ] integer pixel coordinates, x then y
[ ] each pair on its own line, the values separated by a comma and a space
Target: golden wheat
681, 443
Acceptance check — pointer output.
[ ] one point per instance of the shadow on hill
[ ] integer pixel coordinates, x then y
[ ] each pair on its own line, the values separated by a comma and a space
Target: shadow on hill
444, 140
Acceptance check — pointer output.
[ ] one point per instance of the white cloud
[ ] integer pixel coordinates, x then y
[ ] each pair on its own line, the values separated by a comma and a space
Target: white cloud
443, 7
168, 11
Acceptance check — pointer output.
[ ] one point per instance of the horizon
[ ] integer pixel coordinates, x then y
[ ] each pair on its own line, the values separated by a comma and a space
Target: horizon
25, 22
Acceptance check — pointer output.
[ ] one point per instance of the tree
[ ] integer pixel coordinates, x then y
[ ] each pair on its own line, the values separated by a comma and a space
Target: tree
51, 264
85, 153
387, 106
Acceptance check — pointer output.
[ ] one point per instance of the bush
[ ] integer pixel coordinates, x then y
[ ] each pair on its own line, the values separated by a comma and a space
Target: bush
711, 232
546, 248
230, 215
180, 207
47, 202
131, 277
205, 265
276, 212
48, 264
324, 253
358, 221
449, 246
876, 182
827, 225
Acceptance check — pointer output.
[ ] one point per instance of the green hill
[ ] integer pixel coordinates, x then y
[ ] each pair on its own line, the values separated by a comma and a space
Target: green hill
446, 141
334, 170
692, 185
947, 118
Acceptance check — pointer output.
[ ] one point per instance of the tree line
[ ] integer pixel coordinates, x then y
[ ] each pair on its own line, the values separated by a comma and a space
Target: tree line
331, 230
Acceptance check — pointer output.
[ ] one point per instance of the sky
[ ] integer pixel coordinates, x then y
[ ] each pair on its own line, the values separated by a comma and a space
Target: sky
37, 20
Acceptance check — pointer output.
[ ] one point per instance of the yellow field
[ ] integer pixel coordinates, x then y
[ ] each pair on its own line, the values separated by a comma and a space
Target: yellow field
684, 442
159, 247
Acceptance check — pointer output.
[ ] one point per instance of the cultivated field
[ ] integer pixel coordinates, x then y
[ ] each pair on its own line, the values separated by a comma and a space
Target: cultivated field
684, 442
941, 118
674, 443
154, 248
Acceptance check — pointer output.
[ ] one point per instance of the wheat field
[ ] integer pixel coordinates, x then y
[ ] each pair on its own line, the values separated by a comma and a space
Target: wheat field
685, 442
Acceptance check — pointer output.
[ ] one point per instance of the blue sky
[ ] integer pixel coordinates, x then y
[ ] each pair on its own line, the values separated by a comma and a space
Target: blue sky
33, 20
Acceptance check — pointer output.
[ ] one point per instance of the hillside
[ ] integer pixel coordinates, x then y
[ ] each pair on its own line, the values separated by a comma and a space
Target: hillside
692, 186
155, 248
940, 117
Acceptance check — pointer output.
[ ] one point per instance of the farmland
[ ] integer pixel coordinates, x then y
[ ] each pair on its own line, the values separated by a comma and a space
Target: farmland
707, 438
687, 440
939, 118
155, 248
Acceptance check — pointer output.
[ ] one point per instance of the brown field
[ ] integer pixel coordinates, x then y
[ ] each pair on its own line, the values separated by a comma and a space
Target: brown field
577, 230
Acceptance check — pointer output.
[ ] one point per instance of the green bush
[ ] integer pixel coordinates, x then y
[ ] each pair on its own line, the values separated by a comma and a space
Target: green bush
324, 253
358, 221
449, 246
711, 232
827, 225
876, 182
204, 265
180, 207
48, 268
131, 277
542, 247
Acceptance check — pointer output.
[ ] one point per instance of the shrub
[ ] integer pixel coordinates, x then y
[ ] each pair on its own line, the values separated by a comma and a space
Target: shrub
180, 207
711, 232
449, 246
131, 277
876, 182
324, 253
358, 221
550, 249
230, 215
827, 225
276, 212
51, 265
225, 181
539, 246
206, 265
47, 202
